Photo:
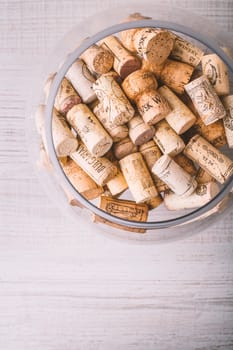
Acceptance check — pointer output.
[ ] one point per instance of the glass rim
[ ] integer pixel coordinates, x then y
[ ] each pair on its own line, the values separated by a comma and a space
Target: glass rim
208, 42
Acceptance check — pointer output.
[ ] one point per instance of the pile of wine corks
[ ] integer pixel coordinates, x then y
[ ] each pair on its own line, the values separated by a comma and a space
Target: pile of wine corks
147, 112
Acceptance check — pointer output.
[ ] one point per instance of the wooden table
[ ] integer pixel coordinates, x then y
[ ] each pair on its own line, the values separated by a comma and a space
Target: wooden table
63, 287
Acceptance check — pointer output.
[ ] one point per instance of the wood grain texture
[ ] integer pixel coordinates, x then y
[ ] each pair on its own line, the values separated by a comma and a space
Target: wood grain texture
66, 287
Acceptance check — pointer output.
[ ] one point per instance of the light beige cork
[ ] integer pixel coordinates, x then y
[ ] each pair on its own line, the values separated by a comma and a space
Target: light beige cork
117, 132
101, 170
178, 180
98, 59
137, 82
181, 117
152, 106
151, 153
82, 80
138, 177
217, 73
82, 182
176, 75
139, 131
113, 100
90, 130
205, 100
124, 147
118, 184
153, 44
156, 69
66, 97
228, 119
186, 52
209, 158
125, 62
167, 139
201, 196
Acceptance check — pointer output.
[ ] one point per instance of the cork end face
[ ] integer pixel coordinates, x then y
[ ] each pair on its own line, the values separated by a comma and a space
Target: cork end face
102, 147
128, 66
66, 147
161, 164
144, 137
159, 47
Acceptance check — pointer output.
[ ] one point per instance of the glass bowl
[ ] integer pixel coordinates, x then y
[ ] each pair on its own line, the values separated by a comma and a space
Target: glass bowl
162, 225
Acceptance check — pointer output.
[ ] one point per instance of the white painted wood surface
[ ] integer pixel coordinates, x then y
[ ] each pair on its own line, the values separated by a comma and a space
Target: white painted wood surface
65, 287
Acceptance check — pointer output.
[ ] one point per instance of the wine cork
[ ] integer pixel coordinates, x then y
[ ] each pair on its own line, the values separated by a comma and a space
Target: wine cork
127, 36
209, 158
138, 177
205, 100
176, 75
167, 139
151, 153
88, 127
117, 132
180, 118
156, 69
178, 180
186, 163
82, 182
203, 177
118, 184
154, 202
228, 119
152, 44
137, 82
140, 132
186, 52
101, 170
124, 61
82, 80
115, 76
201, 196
123, 148
152, 106
98, 59
113, 99
214, 133
66, 96
216, 71
63, 139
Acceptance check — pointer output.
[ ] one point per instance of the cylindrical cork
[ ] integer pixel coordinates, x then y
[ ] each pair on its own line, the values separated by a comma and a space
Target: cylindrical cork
156, 69
186, 52
124, 61
115, 76
209, 158
178, 180
152, 106
118, 184
186, 163
113, 99
151, 153
205, 100
216, 71
153, 44
228, 119
101, 170
117, 132
88, 127
127, 36
66, 96
81, 181
63, 139
140, 132
201, 196
176, 75
98, 59
214, 133
82, 80
203, 177
123, 148
167, 139
180, 118
138, 177
137, 82
124, 209
154, 202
